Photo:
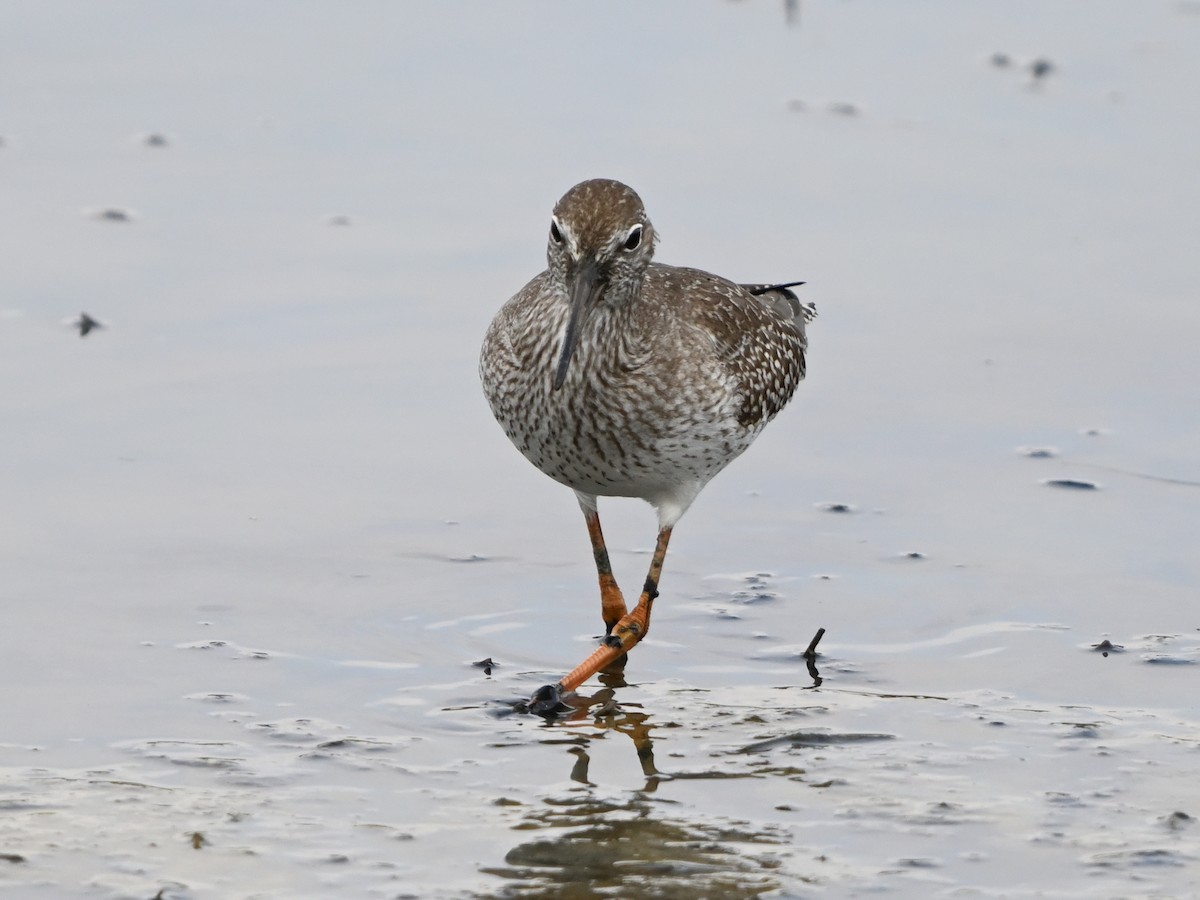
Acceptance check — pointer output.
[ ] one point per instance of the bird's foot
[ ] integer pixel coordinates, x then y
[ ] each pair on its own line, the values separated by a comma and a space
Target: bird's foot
547, 701
623, 638
630, 629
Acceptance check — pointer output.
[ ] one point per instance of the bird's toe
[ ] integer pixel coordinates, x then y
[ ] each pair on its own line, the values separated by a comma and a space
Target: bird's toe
547, 701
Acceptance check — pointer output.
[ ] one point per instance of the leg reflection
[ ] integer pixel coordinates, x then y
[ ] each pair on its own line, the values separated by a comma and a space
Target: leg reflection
606, 714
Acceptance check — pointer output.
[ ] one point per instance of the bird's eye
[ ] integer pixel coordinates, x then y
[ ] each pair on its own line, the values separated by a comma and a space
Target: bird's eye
555, 234
634, 240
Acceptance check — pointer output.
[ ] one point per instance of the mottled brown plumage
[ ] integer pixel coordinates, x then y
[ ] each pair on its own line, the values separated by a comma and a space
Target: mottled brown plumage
618, 376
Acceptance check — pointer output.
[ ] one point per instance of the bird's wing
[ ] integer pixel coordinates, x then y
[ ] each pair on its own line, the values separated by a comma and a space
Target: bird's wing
758, 337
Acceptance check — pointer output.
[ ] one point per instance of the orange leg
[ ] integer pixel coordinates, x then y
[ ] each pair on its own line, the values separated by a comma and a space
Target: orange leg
612, 601
623, 636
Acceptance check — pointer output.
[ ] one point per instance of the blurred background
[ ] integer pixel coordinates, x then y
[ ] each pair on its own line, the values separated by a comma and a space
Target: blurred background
269, 477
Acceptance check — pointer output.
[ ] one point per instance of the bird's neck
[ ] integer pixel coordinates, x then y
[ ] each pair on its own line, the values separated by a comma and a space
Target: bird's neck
616, 334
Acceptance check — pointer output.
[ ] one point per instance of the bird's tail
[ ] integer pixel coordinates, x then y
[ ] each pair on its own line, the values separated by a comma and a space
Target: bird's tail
784, 301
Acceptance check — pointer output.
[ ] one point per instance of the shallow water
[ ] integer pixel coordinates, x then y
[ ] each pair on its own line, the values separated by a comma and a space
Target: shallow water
259, 527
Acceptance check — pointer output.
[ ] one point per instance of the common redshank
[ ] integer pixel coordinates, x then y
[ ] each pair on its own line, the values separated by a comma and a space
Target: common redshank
622, 377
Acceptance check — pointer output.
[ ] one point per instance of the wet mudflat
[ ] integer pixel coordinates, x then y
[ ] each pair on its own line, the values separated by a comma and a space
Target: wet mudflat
259, 526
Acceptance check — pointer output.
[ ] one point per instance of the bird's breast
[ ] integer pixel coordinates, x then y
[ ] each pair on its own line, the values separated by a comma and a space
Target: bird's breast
633, 417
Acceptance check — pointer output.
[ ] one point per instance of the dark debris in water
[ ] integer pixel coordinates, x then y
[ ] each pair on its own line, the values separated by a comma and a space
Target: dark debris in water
1120, 859
747, 597
368, 744
86, 324
1106, 647
1062, 798
217, 697
486, 664
1178, 820
757, 589
813, 739
1075, 484
918, 862
1041, 68
203, 645
114, 214
940, 812
1167, 659
1170, 650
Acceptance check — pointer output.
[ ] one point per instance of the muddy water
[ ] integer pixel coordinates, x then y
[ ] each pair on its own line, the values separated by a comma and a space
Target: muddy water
258, 529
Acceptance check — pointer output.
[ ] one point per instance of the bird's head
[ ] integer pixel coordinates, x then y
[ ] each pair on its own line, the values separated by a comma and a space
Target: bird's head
600, 245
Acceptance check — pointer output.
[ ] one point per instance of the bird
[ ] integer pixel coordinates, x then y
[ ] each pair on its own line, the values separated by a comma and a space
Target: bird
619, 376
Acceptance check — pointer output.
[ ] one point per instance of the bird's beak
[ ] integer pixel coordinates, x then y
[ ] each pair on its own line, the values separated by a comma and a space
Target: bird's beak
586, 284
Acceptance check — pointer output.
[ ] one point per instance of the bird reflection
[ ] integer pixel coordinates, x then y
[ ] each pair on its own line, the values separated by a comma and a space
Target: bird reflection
606, 714
603, 712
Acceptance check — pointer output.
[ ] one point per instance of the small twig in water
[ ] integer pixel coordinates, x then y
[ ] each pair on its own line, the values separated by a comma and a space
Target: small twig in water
811, 653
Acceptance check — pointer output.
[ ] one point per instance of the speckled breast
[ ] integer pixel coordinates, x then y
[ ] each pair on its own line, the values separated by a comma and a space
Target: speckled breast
630, 422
